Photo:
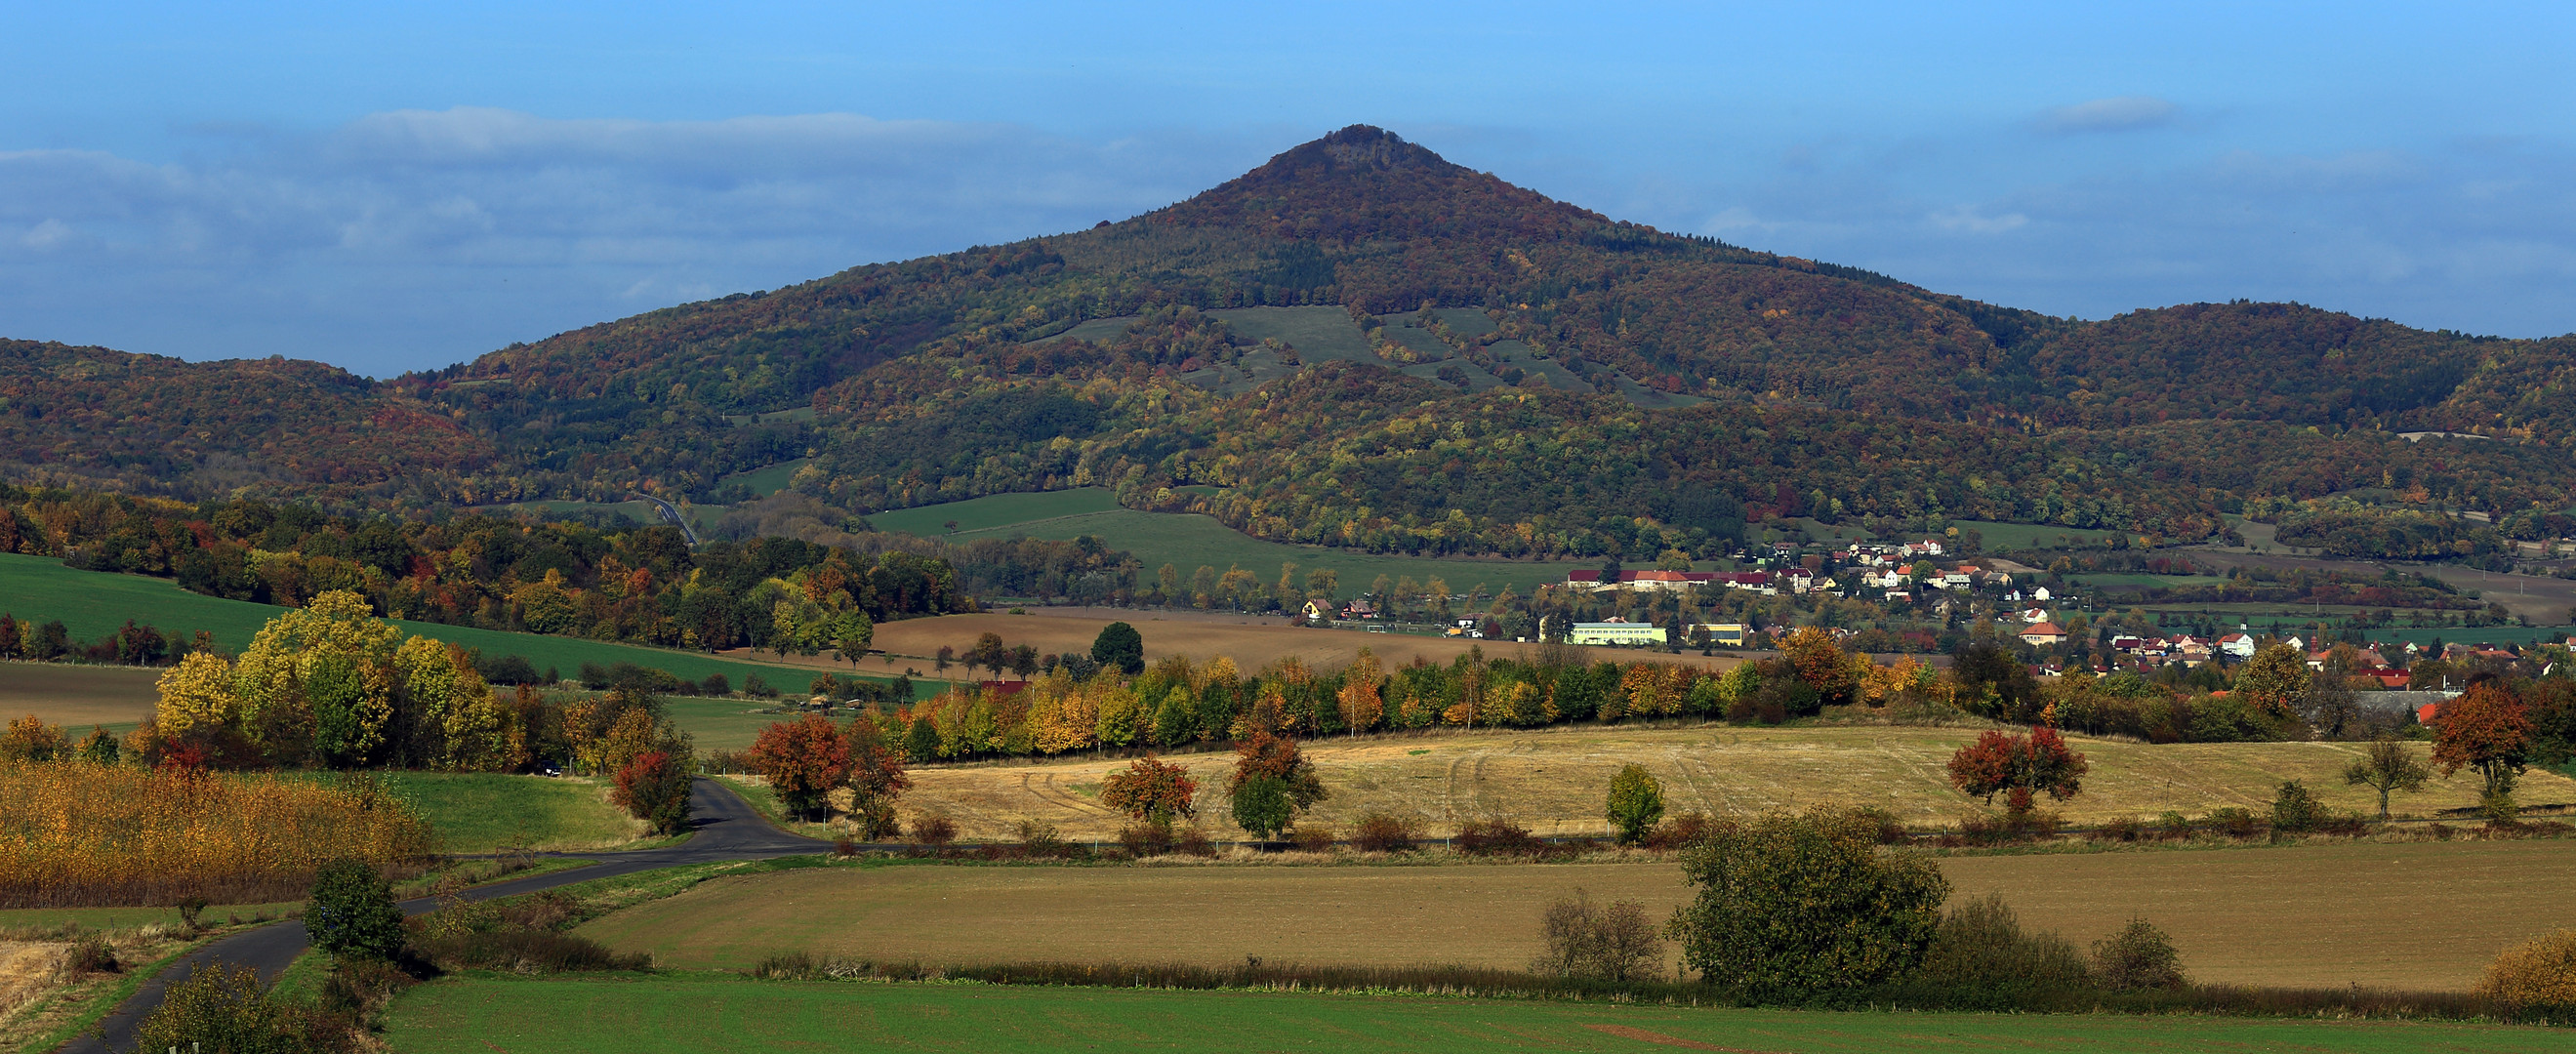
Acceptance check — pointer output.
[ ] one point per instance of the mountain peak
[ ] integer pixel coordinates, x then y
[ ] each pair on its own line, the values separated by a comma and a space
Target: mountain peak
1365, 182
1359, 147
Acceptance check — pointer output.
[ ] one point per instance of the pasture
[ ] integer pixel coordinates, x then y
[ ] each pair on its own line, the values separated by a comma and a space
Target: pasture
686, 1014
1552, 780
92, 604
1251, 641
1189, 542
479, 812
2425, 916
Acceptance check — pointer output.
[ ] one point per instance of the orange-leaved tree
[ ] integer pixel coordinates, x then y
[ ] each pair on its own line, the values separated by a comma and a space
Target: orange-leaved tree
803, 760
654, 788
2489, 730
1360, 700
876, 776
2016, 766
1151, 791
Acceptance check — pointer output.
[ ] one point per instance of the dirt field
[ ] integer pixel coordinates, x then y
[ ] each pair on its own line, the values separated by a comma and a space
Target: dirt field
77, 697
2545, 601
1552, 780
2422, 916
1252, 641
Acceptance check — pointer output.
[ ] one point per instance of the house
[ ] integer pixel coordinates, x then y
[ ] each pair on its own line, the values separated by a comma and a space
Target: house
2240, 645
2393, 680
1723, 634
2040, 594
1615, 632
2044, 633
1641, 579
1319, 611
2034, 615
1359, 609
2128, 643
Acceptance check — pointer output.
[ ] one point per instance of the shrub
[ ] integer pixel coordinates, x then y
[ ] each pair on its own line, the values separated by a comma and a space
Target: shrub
1681, 832
528, 951
1040, 839
352, 914
360, 988
844, 847
1146, 839
2172, 825
1194, 842
934, 831
1313, 838
1796, 904
223, 1009
1497, 838
2296, 810
1980, 947
654, 788
92, 953
1379, 832
1635, 804
2234, 822
1609, 942
2540, 975
2139, 956
2121, 829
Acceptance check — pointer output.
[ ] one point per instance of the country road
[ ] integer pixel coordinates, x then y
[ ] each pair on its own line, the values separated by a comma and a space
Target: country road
726, 829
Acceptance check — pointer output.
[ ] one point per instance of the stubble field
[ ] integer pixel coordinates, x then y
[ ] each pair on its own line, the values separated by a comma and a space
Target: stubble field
2414, 916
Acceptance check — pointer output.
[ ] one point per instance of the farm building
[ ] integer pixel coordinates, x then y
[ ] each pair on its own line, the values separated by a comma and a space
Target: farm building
1615, 633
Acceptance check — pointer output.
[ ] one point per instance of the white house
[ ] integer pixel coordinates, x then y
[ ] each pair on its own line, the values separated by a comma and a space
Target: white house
1615, 633
2240, 645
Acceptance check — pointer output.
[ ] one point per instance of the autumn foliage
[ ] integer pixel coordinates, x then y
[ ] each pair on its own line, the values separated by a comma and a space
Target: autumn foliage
803, 761
2486, 729
654, 787
1151, 791
2021, 765
77, 833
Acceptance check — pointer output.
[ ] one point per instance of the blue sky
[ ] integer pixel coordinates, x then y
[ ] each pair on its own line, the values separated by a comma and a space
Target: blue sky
404, 186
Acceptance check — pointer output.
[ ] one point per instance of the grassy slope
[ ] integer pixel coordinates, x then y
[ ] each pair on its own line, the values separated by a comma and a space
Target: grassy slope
678, 1013
1189, 542
478, 812
92, 605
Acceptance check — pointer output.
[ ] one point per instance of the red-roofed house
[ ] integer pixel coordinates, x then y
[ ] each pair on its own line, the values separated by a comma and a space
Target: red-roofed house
2044, 633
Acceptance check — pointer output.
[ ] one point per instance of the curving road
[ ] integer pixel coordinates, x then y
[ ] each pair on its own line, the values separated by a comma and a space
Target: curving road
726, 828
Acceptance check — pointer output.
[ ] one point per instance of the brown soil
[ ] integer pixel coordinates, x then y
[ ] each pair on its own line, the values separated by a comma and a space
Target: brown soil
1251, 641
2417, 916
78, 697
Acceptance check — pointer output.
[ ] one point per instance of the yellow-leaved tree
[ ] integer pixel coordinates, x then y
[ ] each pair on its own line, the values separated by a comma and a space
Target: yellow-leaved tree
327, 667
198, 691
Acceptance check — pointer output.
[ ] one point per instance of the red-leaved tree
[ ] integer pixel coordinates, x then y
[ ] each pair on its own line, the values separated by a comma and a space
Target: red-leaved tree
1151, 791
2017, 766
876, 776
654, 787
1272, 756
2488, 730
803, 759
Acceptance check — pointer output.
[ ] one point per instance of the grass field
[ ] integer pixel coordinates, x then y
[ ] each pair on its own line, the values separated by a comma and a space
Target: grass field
1552, 780
478, 812
2010, 537
1251, 643
93, 604
688, 1014
2422, 916
1188, 542
767, 481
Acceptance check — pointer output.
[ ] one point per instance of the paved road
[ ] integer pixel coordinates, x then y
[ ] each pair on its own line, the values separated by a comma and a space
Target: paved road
726, 829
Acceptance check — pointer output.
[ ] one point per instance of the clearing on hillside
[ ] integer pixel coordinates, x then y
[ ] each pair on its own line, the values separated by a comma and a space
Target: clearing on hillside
1552, 780
2430, 916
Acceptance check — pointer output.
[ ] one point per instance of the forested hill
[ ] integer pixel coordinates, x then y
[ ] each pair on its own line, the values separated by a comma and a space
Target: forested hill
1361, 343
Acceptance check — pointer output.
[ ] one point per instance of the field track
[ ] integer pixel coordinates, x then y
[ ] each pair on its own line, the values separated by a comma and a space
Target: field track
2415, 916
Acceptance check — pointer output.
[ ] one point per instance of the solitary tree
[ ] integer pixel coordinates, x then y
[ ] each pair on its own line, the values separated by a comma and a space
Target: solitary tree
352, 913
1636, 804
2272, 681
1272, 784
1151, 791
990, 653
1119, 647
1789, 905
2488, 730
2388, 766
2016, 766
876, 776
803, 760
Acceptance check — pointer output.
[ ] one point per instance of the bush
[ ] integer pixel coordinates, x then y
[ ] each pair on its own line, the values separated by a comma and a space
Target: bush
223, 1009
1146, 839
1635, 804
934, 831
360, 988
1981, 948
352, 913
2296, 810
528, 951
2121, 829
1609, 942
1379, 832
654, 788
1040, 839
1683, 831
1790, 905
2234, 822
1314, 838
92, 953
2540, 975
1497, 838
2139, 956
1194, 842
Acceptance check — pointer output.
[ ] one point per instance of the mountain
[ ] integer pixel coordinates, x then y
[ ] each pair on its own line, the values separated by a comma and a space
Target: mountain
1360, 343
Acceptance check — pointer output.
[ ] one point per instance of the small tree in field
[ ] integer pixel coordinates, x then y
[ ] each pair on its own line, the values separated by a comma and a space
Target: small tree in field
1790, 905
1151, 791
654, 788
1272, 783
2389, 766
2488, 730
803, 760
876, 777
2017, 766
1636, 804
1119, 647
352, 914
1611, 942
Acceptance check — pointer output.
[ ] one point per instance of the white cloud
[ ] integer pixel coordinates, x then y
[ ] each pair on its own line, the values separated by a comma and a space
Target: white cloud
1968, 220
2124, 113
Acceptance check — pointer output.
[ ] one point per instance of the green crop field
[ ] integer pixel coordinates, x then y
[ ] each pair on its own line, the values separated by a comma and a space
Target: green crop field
2011, 537
478, 812
766, 481
1318, 333
683, 1013
1188, 542
93, 604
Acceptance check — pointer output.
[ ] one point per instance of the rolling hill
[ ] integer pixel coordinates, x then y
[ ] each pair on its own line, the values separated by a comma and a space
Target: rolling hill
1361, 344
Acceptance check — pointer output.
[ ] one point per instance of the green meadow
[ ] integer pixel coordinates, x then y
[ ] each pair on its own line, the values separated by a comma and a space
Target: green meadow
647, 1014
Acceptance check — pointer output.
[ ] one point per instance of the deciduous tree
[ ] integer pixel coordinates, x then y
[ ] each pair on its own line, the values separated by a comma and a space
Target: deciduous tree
2489, 730
1636, 804
804, 760
2387, 766
2000, 762
1151, 791
1791, 905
